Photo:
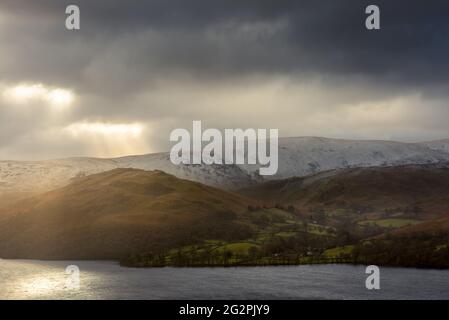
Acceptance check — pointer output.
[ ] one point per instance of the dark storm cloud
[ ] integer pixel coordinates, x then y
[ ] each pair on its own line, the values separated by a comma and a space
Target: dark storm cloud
249, 37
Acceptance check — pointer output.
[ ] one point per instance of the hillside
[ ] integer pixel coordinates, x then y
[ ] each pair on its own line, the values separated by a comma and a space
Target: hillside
424, 245
150, 218
387, 216
298, 157
416, 192
391, 216
115, 213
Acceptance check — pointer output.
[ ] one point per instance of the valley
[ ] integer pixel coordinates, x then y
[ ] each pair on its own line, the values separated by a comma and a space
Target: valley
152, 219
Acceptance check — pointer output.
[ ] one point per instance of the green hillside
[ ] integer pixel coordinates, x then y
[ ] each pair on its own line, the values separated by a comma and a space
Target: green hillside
410, 192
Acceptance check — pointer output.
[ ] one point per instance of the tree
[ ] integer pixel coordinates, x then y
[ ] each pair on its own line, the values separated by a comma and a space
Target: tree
253, 253
227, 255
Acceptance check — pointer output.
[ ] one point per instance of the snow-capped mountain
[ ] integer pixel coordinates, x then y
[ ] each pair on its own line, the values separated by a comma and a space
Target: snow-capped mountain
297, 157
302, 156
39, 176
442, 145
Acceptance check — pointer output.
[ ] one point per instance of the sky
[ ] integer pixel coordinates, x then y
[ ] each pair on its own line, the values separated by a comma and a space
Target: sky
136, 70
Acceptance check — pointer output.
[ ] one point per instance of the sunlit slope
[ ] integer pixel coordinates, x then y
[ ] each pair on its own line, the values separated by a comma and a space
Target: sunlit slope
115, 213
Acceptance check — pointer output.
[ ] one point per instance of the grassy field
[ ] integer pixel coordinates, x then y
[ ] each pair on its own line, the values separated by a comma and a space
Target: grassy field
337, 252
275, 224
238, 248
392, 223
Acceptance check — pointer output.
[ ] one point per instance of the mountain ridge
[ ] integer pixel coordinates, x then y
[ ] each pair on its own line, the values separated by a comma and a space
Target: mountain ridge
298, 156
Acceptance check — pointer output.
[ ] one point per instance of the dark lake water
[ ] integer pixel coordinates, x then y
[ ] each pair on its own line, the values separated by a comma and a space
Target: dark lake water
27, 279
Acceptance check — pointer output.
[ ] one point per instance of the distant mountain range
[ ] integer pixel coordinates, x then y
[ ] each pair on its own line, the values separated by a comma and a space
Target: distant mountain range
298, 157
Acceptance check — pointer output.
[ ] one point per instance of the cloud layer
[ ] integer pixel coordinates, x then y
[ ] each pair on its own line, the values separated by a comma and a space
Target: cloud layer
305, 67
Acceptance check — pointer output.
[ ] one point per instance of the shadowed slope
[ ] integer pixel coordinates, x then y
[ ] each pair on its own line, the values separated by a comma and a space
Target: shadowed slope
424, 189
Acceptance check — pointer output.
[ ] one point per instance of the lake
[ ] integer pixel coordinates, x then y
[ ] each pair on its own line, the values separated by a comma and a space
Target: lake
28, 279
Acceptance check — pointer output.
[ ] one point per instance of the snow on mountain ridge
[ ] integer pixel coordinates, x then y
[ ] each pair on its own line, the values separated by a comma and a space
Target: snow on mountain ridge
441, 145
297, 157
304, 156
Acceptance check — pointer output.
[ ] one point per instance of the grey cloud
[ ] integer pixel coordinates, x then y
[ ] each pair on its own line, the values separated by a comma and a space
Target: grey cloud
232, 63
208, 38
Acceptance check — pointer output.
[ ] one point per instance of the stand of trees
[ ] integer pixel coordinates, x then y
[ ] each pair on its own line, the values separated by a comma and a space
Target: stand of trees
418, 250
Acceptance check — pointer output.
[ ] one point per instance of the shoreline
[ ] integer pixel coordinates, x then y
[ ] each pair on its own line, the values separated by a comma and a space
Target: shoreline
229, 265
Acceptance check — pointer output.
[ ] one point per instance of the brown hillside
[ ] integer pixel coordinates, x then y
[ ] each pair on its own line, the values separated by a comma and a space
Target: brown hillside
115, 213
419, 190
